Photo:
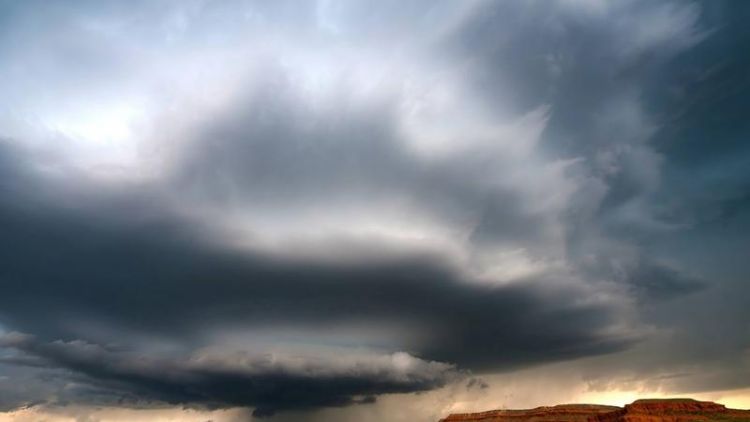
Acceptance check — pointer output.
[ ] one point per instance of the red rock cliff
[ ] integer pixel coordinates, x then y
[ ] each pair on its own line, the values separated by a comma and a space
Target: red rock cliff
656, 410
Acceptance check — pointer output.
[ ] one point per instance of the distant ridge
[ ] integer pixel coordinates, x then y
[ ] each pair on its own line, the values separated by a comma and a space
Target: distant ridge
646, 410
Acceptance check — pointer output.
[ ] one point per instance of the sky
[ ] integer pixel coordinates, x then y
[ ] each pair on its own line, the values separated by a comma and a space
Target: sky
335, 210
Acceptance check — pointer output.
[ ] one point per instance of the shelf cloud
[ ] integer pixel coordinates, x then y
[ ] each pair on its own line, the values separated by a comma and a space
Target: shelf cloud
289, 207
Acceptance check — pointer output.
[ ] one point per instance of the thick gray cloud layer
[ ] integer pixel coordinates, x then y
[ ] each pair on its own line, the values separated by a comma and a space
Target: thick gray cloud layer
418, 189
266, 382
141, 271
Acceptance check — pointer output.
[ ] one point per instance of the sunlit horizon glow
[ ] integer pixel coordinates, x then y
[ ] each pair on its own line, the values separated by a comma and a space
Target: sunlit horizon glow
733, 399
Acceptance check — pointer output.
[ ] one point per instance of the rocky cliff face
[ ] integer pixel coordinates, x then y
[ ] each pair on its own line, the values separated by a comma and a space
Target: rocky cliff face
657, 410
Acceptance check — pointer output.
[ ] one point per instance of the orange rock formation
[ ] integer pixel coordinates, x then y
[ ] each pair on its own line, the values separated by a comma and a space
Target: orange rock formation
652, 410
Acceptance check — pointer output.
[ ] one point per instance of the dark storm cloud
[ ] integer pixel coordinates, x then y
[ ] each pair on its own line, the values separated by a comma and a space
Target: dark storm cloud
487, 186
142, 269
139, 270
267, 383
125, 263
